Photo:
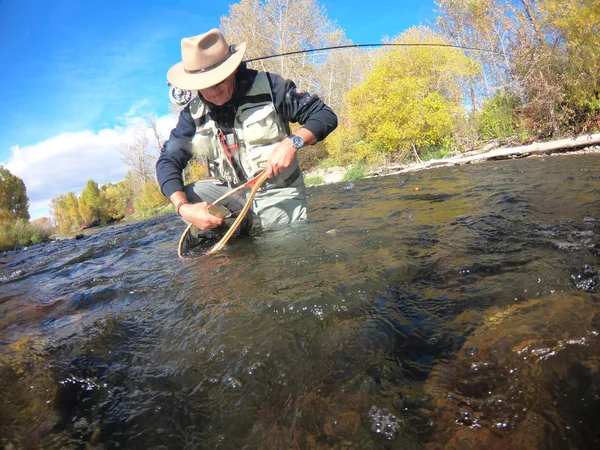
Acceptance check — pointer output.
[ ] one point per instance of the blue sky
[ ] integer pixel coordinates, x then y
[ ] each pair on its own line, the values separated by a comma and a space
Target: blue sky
77, 73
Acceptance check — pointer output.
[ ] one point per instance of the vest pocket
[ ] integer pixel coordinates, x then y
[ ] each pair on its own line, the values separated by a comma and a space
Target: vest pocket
259, 125
204, 144
258, 157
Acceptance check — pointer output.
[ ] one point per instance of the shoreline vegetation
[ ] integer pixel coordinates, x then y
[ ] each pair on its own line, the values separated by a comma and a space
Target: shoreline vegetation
589, 143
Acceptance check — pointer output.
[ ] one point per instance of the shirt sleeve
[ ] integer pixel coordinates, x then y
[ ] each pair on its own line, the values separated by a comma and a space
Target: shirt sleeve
297, 106
175, 155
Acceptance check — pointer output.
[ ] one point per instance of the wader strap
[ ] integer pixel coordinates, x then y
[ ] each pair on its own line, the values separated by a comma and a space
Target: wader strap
231, 148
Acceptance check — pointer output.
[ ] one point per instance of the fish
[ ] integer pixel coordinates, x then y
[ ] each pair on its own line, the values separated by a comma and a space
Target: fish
218, 211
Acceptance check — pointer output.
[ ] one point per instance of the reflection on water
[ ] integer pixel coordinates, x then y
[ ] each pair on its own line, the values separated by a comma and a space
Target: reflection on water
450, 308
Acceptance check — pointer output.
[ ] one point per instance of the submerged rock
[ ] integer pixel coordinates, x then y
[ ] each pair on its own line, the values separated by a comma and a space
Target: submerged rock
587, 280
385, 423
533, 382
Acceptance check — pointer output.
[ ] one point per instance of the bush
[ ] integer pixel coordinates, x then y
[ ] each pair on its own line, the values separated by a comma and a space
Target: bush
196, 170
343, 146
446, 148
328, 163
151, 200
21, 232
355, 173
497, 118
311, 156
314, 181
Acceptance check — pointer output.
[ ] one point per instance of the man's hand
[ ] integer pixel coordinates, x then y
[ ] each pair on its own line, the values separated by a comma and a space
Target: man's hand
197, 213
283, 154
280, 158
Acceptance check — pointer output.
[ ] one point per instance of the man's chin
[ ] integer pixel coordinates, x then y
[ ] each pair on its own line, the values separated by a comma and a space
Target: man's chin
217, 101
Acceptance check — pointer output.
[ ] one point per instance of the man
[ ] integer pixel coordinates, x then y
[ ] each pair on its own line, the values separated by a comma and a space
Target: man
239, 123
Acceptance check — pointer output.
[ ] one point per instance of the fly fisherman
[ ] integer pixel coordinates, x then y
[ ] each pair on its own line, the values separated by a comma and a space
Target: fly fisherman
239, 123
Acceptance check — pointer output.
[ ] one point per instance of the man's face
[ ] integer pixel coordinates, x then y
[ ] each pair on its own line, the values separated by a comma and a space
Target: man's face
220, 94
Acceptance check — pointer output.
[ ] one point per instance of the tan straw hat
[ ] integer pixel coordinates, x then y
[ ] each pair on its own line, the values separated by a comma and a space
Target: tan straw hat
206, 60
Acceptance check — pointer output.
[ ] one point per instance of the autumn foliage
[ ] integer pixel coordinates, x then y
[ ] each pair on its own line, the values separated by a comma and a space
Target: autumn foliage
15, 229
411, 100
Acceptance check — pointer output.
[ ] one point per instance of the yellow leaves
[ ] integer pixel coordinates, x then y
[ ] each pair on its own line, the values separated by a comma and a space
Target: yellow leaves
195, 171
577, 21
116, 197
151, 197
575, 25
412, 96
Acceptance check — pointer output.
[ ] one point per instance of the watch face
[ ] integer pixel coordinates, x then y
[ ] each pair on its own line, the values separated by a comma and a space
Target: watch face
297, 141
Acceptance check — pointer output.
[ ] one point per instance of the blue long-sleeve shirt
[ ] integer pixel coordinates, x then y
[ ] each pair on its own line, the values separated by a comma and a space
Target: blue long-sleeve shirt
292, 104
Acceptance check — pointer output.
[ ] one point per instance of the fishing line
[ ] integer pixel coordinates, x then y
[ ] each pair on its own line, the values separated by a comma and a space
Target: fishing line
182, 97
335, 47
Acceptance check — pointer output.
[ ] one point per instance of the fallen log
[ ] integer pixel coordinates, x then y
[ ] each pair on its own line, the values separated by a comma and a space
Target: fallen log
478, 151
537, 148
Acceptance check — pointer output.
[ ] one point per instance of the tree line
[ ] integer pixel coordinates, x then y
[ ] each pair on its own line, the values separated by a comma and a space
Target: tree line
137, 195
15, 228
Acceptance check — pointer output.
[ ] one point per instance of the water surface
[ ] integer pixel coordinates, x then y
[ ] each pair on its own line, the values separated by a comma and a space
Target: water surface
449, 308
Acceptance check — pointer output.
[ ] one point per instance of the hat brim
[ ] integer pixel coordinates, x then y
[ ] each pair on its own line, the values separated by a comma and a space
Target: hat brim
179, 78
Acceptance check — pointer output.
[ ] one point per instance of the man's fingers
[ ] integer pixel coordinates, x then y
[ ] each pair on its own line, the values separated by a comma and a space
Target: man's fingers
202, 218
272, 170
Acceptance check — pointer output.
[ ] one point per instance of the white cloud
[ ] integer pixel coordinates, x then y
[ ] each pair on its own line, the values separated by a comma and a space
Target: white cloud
134, 111
64, 163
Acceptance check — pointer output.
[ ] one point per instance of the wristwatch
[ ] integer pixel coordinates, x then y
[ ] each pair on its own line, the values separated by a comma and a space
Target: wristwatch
297, 141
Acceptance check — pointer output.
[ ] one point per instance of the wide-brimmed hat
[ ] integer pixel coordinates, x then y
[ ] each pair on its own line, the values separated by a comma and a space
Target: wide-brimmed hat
207, 60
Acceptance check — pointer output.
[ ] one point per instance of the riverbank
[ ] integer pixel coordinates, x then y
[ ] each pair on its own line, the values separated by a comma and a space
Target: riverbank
585, 144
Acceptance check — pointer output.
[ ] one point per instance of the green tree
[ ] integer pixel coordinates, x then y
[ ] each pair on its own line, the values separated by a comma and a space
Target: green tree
72, 205
115, 199
65, 212
151, 199
60, 213
14, 202
90, 203
133, 189
574, 28
497, 117
548, 56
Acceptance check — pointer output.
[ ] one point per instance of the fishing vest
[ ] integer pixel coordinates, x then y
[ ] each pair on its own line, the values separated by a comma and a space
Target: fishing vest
258, 129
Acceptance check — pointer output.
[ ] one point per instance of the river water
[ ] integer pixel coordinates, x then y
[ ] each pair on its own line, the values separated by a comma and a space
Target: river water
448, 308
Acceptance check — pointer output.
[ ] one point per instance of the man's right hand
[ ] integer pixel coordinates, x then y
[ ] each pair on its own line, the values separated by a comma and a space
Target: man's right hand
197, 213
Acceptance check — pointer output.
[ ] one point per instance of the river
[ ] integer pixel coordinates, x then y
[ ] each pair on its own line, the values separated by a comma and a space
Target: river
447, 308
